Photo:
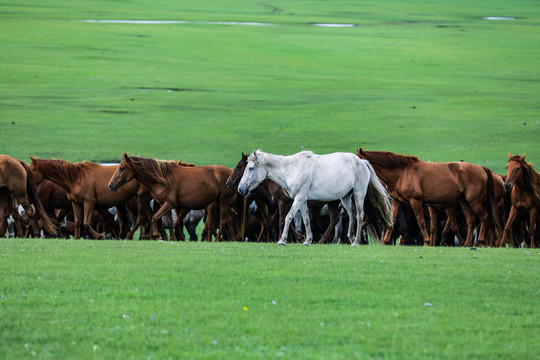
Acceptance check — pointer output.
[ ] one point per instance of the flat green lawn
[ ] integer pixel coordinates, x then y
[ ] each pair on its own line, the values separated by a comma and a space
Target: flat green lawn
118, 299
426, 78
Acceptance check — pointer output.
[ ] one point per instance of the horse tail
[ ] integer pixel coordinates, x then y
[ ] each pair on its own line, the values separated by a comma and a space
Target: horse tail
377, 204
31, 190
491, 203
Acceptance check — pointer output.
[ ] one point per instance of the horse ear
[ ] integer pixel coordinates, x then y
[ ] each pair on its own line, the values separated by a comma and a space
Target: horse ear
509, 155
125, 157
523, 157
32, 158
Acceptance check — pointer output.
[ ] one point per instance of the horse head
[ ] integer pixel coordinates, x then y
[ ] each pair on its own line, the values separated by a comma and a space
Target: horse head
254, 173
514, 170
124, 173
234, 179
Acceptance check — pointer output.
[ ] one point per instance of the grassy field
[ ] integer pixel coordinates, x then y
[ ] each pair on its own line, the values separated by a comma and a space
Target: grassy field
427, 78
113, 299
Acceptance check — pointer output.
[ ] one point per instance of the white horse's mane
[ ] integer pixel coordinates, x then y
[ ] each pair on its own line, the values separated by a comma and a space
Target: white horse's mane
259, 156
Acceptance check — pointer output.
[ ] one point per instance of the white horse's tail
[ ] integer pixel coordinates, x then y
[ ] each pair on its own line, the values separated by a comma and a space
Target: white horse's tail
377, 204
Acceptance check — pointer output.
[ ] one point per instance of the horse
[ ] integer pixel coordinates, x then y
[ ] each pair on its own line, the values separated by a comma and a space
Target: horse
86, 185
307, 176
271, 195
175, 186
451, 184
524, 183
18, 179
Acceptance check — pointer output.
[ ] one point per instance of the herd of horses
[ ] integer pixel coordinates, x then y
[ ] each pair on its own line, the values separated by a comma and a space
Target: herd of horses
304, 197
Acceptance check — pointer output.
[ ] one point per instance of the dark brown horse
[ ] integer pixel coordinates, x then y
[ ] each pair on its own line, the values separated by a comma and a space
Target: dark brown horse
17, 177
176, 187
453, 184
524, 184
86, 185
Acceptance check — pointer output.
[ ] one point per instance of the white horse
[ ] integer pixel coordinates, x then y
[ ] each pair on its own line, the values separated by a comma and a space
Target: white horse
307, 176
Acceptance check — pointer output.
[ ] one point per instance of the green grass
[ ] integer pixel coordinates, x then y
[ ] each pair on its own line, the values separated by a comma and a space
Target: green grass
423, 78
117, 299
426, 78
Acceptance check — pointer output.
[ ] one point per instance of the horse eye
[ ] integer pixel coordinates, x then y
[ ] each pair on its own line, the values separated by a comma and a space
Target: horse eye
121, 169
251, 168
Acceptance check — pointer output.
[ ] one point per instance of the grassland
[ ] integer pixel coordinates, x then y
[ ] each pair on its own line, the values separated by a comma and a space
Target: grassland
426, 78
88, 299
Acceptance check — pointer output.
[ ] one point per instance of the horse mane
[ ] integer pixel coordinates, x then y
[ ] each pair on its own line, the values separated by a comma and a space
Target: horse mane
531, 179
184, 164
63, 170
388, 159
153, 169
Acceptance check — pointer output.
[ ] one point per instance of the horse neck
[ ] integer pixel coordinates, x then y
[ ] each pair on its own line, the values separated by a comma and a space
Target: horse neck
280, 174
529, 181
146, 178
389, 176
56, 177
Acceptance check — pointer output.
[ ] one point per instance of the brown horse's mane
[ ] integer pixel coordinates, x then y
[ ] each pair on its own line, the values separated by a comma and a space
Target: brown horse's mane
63, 170
531, 179
184, 164
155, 170
387, 159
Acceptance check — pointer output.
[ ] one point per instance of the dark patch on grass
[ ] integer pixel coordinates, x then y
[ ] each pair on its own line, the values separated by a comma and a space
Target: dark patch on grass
172, 89
115, 112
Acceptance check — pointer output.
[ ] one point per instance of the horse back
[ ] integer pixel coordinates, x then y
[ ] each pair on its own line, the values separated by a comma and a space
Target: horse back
13, 175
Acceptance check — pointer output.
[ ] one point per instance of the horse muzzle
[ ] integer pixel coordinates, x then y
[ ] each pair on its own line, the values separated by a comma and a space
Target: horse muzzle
243, 190
508, 186
113, 187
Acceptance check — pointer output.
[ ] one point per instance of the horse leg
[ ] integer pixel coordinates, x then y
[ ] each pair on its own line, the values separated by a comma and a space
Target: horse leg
478, 209
304, 211
31, 213
181, 214
297, 203
123, 221
154, 233
418, 209
77, 219
346, 201
359, 197
88, 212
532, 226
168, 217
333, 216
433, 225
387, 239
470, 219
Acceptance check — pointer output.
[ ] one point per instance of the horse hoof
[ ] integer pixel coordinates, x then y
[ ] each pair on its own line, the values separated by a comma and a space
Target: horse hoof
354, 244
306, 244
282, 243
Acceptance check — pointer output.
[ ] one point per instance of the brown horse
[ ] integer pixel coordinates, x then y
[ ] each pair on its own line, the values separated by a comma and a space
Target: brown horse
17, 177
176, 187
86, 185
453, 184
524, 184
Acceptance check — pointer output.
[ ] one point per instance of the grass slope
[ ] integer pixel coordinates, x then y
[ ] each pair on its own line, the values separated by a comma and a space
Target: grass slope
424, 78
112, 299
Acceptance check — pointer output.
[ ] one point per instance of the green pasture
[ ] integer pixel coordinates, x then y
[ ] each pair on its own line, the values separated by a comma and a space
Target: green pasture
426, 78
164, 300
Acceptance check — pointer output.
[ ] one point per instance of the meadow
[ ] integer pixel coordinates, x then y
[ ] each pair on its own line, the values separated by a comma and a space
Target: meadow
428, 78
